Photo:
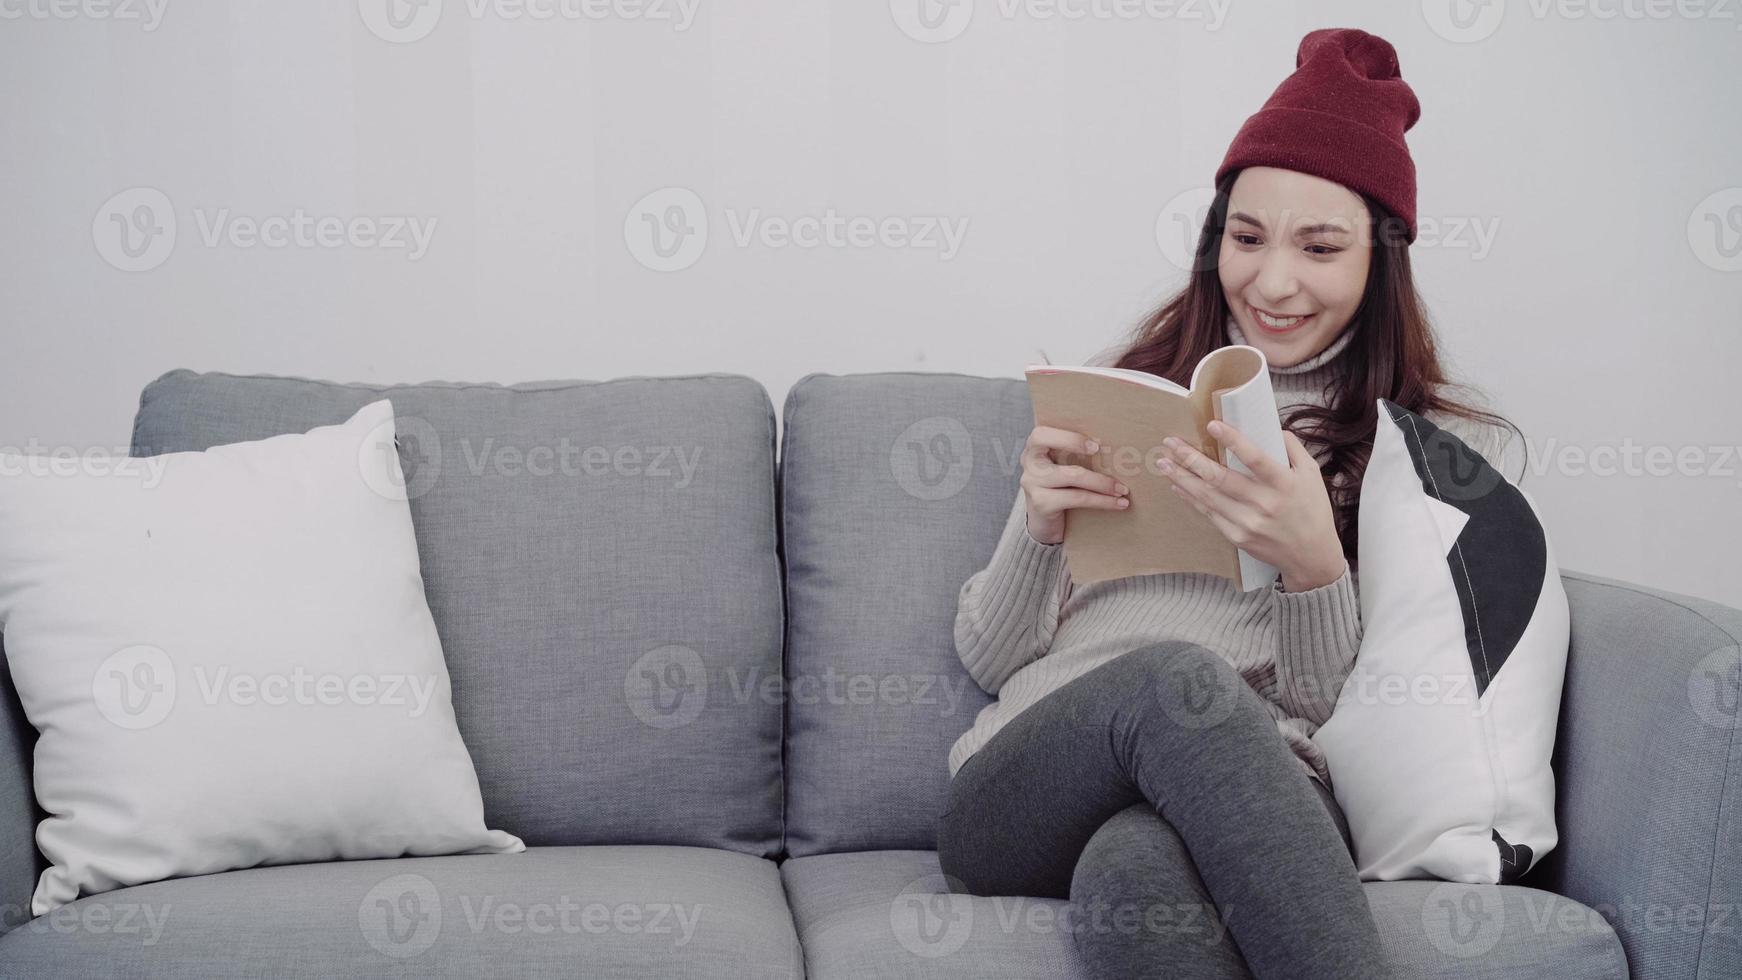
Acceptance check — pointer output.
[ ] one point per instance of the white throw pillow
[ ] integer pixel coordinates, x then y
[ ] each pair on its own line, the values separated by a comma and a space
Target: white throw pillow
230, 660
1440, 742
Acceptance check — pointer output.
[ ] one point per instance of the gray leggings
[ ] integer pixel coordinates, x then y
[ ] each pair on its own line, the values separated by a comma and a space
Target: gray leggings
1155, 793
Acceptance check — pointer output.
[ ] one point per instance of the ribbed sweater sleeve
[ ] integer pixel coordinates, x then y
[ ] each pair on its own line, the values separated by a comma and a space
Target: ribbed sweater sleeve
1007, 612
1318, 634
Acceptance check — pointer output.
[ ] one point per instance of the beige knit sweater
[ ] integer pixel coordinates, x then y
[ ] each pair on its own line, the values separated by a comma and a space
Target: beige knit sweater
1022, 629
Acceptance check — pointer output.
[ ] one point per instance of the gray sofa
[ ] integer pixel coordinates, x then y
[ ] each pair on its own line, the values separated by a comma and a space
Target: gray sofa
712, 688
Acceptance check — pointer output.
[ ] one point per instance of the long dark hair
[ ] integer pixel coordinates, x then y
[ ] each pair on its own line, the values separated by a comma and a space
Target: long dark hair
1392, 355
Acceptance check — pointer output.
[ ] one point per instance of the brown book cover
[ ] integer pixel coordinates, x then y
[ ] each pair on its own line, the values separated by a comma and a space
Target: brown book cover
1129, 413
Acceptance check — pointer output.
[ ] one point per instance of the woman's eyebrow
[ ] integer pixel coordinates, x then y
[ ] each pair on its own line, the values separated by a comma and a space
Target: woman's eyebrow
1321, 229
1302, 232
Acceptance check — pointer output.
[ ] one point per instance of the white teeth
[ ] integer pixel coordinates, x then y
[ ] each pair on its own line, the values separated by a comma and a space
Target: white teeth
1275, 323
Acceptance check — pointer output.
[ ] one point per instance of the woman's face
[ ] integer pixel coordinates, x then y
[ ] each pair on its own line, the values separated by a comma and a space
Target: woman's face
1293, 261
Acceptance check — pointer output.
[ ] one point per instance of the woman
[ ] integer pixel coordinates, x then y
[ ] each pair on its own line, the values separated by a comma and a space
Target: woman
1149, 756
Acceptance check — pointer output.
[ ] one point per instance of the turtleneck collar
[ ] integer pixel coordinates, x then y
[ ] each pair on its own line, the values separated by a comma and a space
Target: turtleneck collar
1313, 363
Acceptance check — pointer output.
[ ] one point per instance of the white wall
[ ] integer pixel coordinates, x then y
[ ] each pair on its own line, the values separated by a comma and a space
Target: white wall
1581, 143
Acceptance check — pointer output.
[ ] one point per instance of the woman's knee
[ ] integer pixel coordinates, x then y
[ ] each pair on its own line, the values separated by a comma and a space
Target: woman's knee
1134, 854
1142, 909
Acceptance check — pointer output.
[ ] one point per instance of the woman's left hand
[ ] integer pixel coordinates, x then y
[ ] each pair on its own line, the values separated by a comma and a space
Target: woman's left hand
1281, 515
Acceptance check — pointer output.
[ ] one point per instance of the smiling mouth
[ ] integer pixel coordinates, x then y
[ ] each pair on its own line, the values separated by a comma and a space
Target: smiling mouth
1274, 323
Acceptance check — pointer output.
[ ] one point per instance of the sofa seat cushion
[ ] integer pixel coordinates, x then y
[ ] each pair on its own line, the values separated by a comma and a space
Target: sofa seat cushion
873, 914
1437, 929
609, 911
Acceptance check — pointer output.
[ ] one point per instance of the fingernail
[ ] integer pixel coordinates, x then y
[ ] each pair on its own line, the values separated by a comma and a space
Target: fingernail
1124, 501
1094, 446
1215, 428
1122, 488
1166, 465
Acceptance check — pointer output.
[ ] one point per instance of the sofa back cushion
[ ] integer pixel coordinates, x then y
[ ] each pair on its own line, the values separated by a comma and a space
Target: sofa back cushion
894, 490
600, 558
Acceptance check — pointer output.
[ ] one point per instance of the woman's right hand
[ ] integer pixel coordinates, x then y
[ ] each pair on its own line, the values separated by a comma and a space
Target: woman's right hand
1051, 488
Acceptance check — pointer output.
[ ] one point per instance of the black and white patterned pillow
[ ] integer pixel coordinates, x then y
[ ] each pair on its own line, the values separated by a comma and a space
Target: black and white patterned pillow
1440, 742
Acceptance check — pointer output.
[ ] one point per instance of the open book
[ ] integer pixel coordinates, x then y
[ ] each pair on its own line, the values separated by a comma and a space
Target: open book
1129, 413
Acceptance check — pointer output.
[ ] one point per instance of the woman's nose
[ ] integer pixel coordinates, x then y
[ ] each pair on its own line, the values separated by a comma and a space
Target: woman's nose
1276, 277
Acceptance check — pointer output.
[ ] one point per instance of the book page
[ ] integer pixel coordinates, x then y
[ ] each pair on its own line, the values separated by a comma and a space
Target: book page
1253, 411
1242, 396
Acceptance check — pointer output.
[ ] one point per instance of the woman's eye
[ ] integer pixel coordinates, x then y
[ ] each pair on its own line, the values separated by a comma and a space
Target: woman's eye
1327, 249
1245, 239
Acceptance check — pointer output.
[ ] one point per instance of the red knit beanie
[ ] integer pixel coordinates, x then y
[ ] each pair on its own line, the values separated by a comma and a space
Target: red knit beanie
1340, 116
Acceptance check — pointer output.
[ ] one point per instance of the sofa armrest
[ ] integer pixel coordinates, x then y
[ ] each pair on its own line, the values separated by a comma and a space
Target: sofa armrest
20, 862
1649, 765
